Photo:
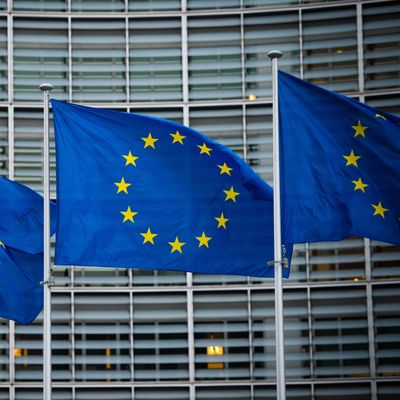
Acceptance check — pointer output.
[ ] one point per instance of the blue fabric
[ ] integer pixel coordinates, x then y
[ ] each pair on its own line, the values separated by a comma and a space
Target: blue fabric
21, 217
177, 191
21, 251
21, 295
331, 148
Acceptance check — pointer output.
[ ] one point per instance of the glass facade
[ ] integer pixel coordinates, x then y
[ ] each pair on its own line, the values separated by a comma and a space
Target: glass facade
136, 334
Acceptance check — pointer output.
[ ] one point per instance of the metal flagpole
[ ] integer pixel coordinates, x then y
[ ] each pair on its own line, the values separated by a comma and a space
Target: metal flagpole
46, 88
278, 261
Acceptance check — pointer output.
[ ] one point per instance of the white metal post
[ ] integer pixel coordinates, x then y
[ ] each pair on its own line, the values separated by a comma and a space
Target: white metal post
45, 88
279, 333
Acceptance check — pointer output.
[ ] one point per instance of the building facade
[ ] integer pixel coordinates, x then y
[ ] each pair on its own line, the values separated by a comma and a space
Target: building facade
150, 335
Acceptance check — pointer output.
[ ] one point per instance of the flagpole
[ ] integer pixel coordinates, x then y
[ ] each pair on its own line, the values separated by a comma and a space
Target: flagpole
278, 261
46, 88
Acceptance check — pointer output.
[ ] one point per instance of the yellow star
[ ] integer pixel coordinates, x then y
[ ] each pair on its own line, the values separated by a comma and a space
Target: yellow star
2, 244
178, 138
148, 236
122, 186
360, 130
204, 149
379, 209
222, 221
176, 245
130, 159
360, 185
352, 159
203, 240
128, 214
380, 116
231, 194
225, 169
149, 141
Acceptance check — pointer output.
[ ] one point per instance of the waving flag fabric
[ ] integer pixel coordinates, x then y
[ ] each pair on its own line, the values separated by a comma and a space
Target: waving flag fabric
143, 192
21, 251
21, 295
21, 217
340, 166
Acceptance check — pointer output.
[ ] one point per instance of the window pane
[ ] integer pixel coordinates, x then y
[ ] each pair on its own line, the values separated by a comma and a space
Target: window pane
37, 394
343, 391
387, 327
330, 48
40, 5
3, 142
340, 332
225, 392
259, 140
4, 352
388, 390
262, 33
98, 60
293, 392
3, 59
160, 342
154, 5
385, 260
221, 336
296, 326
342, 260
103, 393
212, 4
102, 331
381, 45
28, 156
40, 55
61, 337
155, 60
214, 58
153, 393
97, 5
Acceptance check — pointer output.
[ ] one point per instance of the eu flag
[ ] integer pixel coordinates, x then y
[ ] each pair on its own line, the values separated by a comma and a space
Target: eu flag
340, 166
144, 192
21, 295
21, 251
21, 217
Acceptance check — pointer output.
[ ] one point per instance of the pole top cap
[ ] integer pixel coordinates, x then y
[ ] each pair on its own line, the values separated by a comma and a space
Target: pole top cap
46, 87
274, 54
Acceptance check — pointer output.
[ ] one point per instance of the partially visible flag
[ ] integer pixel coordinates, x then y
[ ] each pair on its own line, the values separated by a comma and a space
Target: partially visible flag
143, 192
21, 217
340, 166
21, 295
21, 251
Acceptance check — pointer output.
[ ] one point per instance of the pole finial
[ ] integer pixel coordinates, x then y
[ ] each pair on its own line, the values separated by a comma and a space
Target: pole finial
46, 87
274, 54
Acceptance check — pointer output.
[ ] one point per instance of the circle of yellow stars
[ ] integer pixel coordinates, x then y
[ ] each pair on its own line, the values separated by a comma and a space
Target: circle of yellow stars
352, 161
149, 236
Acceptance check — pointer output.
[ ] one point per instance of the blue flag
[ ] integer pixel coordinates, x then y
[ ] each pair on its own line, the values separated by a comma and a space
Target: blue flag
21, 217
143, 192
21, 295
340, 166
21, 251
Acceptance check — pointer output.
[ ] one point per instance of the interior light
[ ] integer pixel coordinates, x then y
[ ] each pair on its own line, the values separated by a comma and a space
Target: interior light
17, 352
252, 97
215, 350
